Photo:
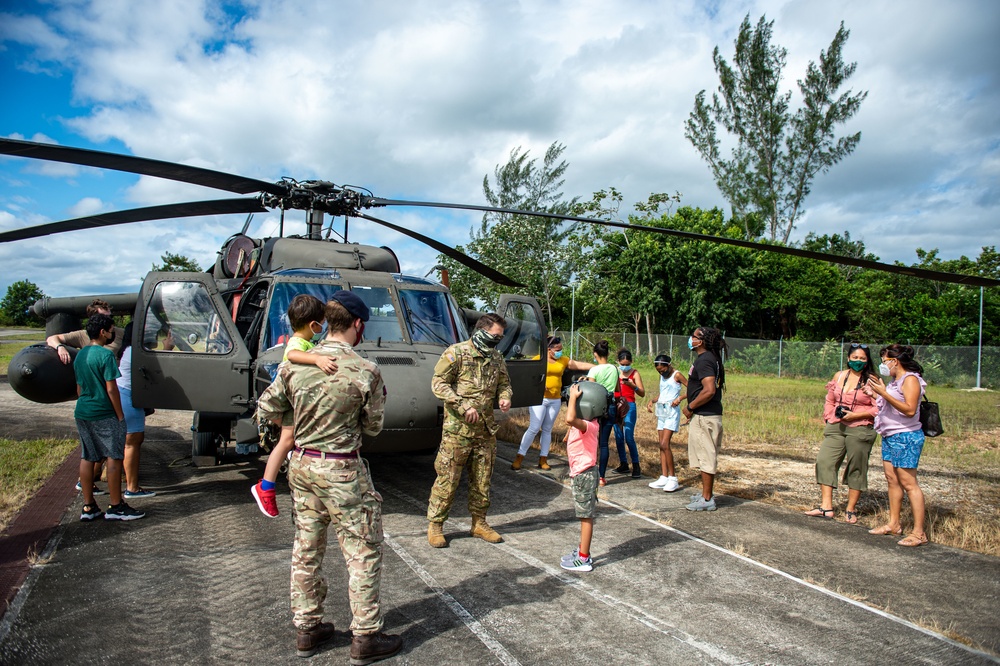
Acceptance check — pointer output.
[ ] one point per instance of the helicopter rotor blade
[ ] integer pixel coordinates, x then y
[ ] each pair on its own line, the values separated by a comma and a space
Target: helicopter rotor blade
141, 165
189, 209
450, 252
939, 276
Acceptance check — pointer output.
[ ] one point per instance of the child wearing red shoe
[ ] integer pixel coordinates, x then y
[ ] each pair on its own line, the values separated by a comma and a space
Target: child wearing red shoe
306, 316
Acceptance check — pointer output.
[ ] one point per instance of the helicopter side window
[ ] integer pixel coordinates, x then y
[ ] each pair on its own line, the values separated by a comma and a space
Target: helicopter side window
181, 317
429, 316
522, 333
383, 322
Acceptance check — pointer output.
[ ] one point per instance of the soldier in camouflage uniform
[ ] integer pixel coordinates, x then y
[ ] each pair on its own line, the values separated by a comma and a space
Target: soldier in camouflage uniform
330, 482
467, 378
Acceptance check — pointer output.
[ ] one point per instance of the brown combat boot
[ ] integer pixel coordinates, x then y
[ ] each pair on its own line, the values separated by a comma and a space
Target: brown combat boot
482, 529
435, 537
543, 462
366, 648
308, 640
517, 462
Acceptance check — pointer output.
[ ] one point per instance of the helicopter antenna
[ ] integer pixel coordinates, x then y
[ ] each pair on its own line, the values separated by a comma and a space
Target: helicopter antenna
246, 225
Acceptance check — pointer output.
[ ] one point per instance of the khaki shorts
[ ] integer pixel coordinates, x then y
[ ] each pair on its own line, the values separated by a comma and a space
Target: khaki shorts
704, 442
584, 487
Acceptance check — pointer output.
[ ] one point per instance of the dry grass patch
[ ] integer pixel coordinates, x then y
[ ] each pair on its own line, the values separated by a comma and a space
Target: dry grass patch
24, 467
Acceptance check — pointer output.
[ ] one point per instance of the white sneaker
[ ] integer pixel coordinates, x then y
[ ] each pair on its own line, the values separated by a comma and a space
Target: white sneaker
660, 482
671, 484
578, 564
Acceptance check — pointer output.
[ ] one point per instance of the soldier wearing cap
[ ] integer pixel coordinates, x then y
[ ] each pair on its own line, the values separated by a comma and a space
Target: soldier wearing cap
468, 377
330, 482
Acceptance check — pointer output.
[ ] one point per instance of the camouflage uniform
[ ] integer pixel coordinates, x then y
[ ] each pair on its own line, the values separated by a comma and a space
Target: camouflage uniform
464, 377
330, 413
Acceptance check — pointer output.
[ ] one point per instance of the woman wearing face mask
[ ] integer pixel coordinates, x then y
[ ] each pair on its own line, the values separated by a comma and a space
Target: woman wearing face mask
543, 416
631, 386
898, 421
849, 414
606, 375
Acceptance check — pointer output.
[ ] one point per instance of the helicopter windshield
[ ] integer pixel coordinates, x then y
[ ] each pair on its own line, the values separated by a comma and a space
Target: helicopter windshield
431, 318
278, 328
382, 323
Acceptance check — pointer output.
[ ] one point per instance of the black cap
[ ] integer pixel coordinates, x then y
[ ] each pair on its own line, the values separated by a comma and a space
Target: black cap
352, 303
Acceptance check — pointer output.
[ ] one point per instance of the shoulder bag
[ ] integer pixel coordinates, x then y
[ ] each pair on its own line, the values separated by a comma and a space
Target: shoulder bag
930, 418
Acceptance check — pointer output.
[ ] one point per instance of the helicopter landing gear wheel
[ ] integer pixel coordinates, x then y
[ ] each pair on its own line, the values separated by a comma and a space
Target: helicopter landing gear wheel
204, 445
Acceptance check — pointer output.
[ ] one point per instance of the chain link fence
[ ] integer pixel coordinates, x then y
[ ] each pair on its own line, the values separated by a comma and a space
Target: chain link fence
944, 366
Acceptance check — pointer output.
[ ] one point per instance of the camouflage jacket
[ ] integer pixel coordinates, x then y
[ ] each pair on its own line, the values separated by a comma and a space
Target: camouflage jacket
464, 378
330, 412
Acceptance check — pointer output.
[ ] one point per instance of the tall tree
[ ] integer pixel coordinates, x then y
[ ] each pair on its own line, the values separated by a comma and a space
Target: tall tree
20, 296
176, 262
531, 250
777, 154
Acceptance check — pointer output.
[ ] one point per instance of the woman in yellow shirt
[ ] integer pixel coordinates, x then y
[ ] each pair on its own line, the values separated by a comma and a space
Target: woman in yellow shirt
543, 416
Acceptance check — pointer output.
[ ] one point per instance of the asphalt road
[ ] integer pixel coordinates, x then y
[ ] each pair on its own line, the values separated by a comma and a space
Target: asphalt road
204, 577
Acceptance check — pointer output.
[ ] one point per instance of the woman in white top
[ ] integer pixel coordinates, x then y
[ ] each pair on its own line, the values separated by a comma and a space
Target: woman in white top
135, 420
668, 419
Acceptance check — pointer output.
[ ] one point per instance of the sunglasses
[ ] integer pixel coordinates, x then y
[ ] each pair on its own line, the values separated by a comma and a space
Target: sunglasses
855, 345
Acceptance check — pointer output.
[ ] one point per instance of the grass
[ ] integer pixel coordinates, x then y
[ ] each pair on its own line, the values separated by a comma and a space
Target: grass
8, 349
24, 467
773, 428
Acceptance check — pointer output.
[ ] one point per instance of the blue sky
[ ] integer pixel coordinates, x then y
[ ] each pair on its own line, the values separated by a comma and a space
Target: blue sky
420, 100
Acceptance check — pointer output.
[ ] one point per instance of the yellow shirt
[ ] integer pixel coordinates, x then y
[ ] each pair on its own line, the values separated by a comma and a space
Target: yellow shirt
553, 377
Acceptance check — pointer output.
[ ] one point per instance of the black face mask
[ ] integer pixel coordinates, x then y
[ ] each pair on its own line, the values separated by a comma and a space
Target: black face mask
113, 334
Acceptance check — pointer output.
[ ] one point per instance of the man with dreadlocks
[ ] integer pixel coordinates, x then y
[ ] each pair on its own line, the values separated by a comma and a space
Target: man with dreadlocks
704, 410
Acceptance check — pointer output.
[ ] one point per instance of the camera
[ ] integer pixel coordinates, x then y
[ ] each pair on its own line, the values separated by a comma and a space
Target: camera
840, 411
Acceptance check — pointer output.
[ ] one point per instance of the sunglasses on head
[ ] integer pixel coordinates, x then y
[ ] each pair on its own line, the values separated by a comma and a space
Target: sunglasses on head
855, 345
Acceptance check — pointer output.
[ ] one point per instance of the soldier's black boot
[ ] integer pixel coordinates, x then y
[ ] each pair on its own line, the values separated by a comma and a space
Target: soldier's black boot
308, 640
366, 648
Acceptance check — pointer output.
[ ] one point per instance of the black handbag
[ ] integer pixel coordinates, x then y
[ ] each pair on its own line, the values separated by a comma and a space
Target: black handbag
930, 418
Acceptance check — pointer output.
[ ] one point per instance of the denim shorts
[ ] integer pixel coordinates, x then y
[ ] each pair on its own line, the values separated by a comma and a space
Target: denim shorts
135, 418
903, 449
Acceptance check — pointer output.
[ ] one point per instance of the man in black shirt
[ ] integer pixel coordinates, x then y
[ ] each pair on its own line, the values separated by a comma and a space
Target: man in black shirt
704, 411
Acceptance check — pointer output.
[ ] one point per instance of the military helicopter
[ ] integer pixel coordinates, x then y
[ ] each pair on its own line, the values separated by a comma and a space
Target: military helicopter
209, 342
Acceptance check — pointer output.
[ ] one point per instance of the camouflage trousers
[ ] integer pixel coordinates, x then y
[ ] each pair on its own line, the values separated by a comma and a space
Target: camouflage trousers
457, 453
338, 493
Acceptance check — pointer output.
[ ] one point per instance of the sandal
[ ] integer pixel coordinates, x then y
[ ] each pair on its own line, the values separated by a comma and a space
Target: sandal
820, 512
913, 540
885, 529
850, 517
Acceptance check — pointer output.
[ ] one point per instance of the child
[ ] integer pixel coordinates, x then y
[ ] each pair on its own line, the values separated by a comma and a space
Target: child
100, 420
306, 316
668, 419
581, 449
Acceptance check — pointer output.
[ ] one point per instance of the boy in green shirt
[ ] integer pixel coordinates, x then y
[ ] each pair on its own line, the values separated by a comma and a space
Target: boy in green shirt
100, 420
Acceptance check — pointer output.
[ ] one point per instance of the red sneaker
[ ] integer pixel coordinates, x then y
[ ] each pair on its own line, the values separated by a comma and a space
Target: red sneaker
265, 500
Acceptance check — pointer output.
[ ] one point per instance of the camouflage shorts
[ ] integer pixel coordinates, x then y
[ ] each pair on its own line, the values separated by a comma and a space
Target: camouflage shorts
584, 487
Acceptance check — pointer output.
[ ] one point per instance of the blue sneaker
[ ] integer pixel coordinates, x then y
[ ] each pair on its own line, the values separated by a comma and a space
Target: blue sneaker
128, 494
701, 504
97, 491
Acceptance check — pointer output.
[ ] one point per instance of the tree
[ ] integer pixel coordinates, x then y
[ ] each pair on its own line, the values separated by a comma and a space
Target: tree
531, 250
19, 297
777, 154
176, 263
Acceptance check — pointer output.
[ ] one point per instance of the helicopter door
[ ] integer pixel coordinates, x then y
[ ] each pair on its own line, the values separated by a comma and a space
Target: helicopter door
186, 351
523, 348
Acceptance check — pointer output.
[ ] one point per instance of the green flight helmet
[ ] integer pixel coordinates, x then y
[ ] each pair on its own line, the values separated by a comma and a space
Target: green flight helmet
593, 402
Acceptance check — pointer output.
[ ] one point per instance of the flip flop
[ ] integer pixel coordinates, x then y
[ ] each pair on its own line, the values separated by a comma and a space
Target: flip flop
820, 512
913, 540
885, 529
850, 517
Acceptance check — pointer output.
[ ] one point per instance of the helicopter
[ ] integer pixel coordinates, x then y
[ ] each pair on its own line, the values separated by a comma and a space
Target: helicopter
227, 326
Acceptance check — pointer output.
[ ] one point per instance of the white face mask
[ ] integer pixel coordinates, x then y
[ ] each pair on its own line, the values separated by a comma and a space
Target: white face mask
883, 370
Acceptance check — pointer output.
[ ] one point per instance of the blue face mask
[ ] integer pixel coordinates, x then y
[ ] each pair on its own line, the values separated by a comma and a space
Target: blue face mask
557, 354
691, 343
626, 368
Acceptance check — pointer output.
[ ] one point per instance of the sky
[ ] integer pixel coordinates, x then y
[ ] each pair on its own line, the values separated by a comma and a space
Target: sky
421, 99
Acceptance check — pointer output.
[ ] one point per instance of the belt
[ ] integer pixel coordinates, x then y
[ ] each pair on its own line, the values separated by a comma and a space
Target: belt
313, 453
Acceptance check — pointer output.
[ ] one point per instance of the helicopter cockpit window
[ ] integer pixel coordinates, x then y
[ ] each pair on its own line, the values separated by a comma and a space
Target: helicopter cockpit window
181, 317
278, 328
382, 323
429, 316
522, 334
